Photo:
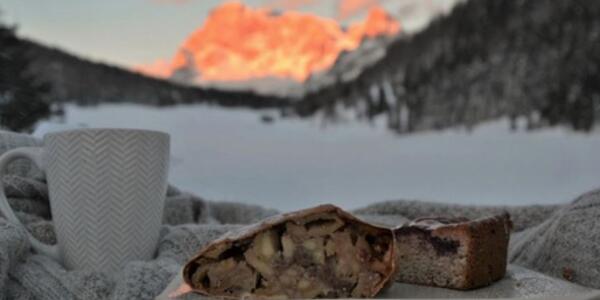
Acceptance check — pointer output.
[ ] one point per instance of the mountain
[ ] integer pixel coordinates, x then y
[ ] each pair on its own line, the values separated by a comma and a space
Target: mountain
268, 52
74, 79
36, 81
538, 60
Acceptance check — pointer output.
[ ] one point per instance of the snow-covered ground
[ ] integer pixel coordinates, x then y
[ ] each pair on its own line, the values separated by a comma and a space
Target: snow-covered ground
228, 154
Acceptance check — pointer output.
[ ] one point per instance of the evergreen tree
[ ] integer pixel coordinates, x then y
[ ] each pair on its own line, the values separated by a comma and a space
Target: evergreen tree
23, 100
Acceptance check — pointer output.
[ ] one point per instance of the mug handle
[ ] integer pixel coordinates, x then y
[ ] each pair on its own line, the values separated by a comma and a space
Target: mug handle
34, 154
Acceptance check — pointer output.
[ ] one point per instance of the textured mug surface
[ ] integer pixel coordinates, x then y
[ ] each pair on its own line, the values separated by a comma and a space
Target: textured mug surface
107, 192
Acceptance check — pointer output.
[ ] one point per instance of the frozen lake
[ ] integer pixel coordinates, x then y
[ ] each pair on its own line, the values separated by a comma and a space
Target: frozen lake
230, 154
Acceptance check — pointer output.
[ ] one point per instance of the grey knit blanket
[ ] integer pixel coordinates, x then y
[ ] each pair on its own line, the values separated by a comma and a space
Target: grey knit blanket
561, 241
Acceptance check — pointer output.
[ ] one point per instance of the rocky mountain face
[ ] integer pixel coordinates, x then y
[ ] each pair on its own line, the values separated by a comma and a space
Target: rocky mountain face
240, 48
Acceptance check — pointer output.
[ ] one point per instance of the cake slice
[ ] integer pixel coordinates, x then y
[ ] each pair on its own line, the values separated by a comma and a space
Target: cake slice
322, 252
454, 253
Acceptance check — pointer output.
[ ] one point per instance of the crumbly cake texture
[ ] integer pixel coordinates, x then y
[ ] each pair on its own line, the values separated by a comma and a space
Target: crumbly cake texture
313, 253
453, 253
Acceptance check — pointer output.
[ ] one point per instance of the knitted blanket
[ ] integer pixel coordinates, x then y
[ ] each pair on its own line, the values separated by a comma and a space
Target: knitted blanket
561, 241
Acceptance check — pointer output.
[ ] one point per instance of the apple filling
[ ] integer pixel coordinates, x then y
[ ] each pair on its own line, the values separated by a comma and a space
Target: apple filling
315, 257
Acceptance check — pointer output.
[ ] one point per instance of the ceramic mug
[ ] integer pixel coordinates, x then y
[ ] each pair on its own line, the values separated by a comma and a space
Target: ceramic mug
107, 190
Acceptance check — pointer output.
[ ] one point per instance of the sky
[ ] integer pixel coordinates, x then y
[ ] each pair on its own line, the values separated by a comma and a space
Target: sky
134, 32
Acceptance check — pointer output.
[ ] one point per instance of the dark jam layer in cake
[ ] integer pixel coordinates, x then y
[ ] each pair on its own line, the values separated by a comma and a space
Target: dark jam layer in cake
441, 246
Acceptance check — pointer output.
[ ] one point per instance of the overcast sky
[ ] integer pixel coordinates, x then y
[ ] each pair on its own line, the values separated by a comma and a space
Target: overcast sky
132, 32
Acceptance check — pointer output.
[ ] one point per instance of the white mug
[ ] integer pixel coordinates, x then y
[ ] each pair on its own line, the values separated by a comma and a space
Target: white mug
107, 191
